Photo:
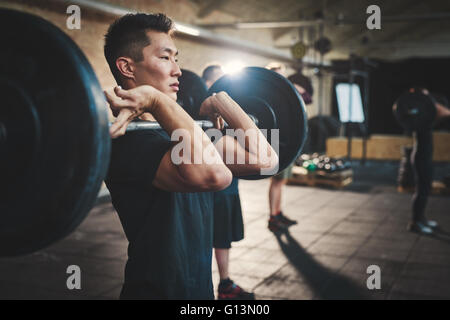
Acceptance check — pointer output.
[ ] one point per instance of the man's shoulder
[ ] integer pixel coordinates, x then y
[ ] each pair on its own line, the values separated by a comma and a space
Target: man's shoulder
139, 142
136, 155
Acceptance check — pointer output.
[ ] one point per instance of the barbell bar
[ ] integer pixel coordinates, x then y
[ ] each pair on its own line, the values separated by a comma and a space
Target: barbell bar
154, 125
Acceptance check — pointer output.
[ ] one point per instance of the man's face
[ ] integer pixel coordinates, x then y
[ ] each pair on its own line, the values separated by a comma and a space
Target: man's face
159, 68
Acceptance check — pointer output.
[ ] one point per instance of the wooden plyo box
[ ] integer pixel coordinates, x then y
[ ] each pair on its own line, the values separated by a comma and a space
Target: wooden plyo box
339, 179
386, 147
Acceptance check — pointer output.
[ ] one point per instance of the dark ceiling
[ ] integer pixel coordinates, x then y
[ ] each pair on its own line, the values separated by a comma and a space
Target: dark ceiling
409, 28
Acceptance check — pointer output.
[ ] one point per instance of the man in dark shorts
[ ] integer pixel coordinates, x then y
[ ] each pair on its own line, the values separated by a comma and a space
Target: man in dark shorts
228, 223
165, 206
422, 161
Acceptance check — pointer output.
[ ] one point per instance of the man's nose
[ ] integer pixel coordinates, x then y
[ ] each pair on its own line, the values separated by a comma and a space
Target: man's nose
177, 71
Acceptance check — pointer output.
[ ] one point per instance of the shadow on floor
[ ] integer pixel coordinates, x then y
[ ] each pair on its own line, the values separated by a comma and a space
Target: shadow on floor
441, 235
325, 283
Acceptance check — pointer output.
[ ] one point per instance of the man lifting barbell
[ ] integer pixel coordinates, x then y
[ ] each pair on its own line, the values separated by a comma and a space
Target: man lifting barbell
56, 146
417, 110
165, 209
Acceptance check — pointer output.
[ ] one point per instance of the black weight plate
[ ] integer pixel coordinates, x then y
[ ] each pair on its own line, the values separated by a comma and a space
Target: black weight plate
251, 86
68, 145
19, 144
193, 92
415, 111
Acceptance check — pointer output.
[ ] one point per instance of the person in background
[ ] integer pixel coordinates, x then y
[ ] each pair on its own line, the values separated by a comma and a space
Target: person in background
228, 222
277, 220
422, 162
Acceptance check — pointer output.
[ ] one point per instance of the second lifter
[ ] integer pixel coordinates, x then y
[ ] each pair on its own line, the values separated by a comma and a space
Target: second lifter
228, 222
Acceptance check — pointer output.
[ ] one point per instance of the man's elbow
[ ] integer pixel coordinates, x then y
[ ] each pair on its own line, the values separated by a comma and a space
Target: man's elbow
219, 179
274, 161
213, 179
269, 163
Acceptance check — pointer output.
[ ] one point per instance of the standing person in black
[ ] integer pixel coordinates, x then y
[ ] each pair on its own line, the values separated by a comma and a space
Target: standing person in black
228, 222
422, 161
164, 205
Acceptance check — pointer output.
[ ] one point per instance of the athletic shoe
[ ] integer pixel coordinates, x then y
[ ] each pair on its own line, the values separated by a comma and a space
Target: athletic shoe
276, 224
228, 290
286, 220
431, 223
420, 228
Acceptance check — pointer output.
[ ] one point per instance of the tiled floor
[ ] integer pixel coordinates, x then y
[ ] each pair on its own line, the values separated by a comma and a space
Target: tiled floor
324, 256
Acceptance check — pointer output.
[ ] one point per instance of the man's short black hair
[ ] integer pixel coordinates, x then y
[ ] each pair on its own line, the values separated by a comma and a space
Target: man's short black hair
208, 73
126, 37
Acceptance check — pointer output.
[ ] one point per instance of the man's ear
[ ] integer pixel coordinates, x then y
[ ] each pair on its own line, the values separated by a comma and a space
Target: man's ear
126, 67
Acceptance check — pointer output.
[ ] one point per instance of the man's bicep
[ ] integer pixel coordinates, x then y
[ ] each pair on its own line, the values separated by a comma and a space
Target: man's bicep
190, 177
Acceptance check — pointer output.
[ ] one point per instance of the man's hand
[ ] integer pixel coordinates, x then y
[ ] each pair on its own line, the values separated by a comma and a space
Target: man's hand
299, 88
209, 109
127, 105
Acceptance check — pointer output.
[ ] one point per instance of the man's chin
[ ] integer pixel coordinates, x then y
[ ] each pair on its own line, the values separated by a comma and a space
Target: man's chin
173, 96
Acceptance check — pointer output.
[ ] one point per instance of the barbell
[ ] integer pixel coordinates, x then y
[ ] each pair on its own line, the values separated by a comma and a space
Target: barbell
54, 129
192, 92
267, 97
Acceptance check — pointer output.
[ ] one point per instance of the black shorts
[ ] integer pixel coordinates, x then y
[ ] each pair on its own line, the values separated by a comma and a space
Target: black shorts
228, 224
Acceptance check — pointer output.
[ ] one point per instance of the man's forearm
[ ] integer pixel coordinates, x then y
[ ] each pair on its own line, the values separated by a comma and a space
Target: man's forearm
232, 113
172, 117
238, 119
